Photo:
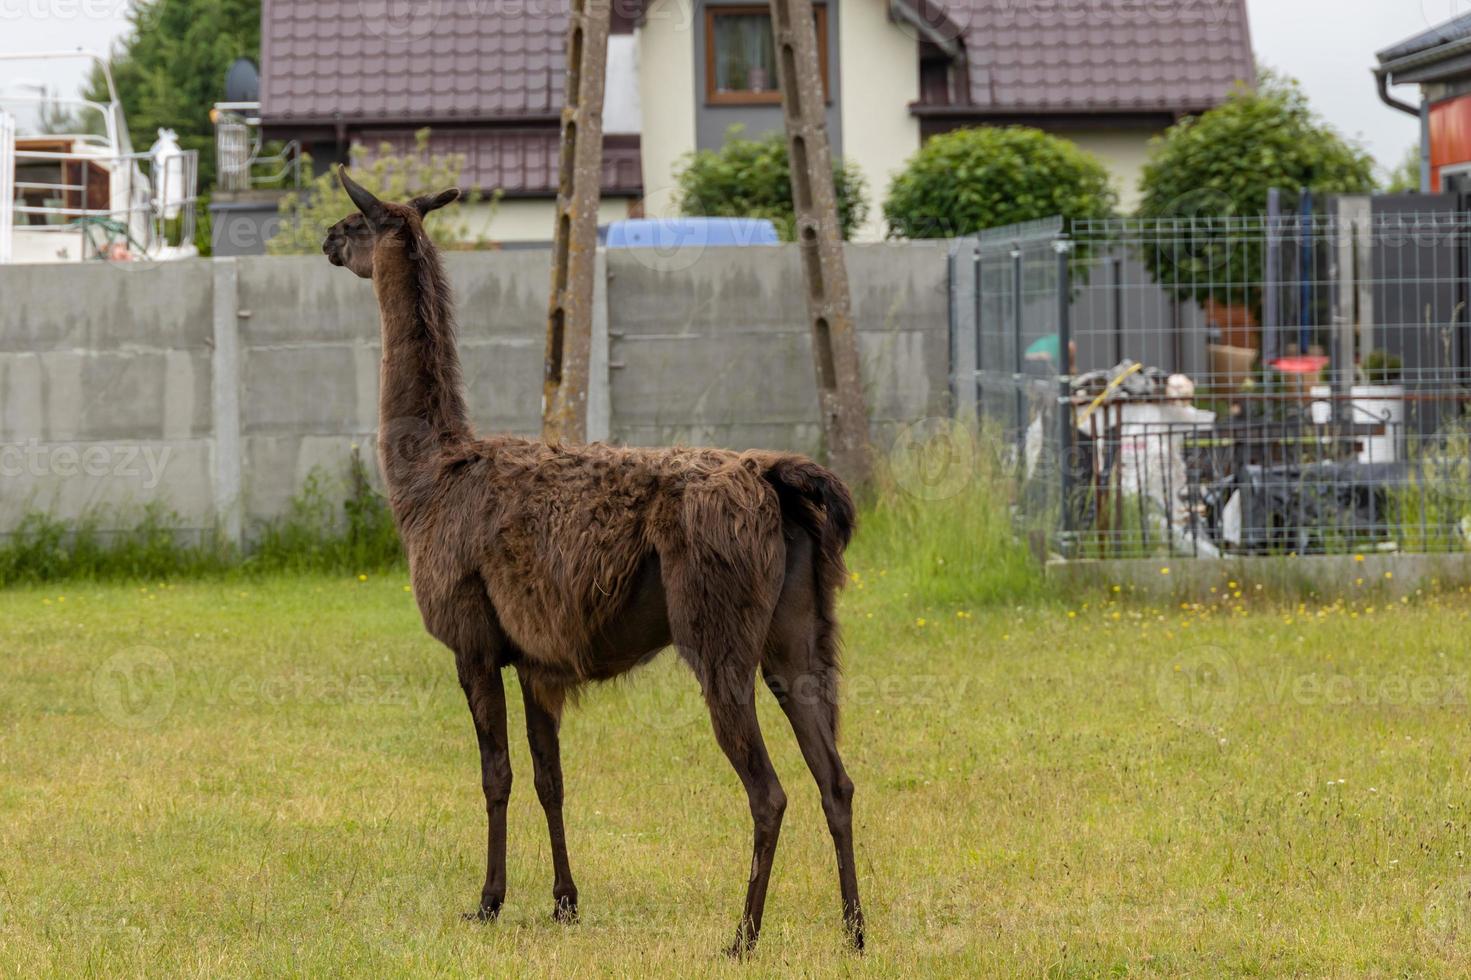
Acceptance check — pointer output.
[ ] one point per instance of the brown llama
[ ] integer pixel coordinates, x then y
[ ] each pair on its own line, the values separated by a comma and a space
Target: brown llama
577, 564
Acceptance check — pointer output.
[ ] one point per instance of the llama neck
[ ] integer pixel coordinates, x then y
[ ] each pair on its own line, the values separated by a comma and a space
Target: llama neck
421, 404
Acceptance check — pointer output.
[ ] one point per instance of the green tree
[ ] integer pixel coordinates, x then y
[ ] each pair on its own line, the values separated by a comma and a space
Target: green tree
1221, 165
170, 68
1406, 177
969, 180
308, 213
748, 178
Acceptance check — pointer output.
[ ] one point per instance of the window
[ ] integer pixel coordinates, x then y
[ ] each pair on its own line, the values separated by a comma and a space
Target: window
740, 55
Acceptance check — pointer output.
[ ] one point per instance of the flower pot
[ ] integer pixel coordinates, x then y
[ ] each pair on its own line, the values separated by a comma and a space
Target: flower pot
1379, 405
1321, 410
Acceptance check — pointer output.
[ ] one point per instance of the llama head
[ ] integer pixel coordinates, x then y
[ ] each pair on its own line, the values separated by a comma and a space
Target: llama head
351, 242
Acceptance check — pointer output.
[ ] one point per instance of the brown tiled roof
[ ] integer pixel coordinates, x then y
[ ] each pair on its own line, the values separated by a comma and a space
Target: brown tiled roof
516, 161
1059, 56
380, 60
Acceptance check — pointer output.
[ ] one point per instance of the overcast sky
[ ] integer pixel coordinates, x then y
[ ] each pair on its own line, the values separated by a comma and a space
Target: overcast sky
1328, 44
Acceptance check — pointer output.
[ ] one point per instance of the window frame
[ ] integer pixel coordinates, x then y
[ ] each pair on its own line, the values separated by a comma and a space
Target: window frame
746, 97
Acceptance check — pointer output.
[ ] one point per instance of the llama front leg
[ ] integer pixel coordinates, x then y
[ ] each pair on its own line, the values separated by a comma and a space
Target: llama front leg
486, 694
542, 724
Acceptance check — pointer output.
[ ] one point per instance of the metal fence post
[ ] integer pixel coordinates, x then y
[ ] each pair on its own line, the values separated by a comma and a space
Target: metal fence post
1064, 249
1018, 361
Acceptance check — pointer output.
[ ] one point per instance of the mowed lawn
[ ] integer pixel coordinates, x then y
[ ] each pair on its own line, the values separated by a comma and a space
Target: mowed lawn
279, 776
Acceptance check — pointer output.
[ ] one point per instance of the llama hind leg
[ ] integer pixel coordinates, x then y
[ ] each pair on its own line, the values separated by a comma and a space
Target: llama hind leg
800, 666
485, 691
732, 704
546, 759
805, 697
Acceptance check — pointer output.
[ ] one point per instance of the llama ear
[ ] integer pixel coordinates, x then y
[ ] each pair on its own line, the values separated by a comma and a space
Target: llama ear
370, 206
433, 202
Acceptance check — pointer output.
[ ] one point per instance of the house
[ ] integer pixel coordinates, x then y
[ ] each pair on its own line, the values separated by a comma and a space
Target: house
487, 78
1439, 61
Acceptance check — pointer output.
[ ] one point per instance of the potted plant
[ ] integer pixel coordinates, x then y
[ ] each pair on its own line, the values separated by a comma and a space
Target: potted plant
1380, 400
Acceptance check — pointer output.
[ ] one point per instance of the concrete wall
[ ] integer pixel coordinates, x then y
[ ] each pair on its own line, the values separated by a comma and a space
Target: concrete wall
719, 353
106, 374
216, 388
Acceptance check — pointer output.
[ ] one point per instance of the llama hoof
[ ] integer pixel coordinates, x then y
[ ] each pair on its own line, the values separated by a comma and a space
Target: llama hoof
742, 947
488, 912
853, 926
565, 911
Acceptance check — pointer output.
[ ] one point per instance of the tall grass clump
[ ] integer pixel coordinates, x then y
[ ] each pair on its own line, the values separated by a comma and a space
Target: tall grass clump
42, 549
322, 531
1432, 510
319, 534
937, 523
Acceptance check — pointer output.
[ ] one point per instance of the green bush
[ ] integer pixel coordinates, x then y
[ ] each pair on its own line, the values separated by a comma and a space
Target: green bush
969, 180
1381, 367
322, 203
748, 178
1405, 178
1221, 165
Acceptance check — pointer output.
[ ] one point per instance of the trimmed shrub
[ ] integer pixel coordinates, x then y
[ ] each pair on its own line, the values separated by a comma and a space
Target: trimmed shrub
1221, 165
969, 180
751, 178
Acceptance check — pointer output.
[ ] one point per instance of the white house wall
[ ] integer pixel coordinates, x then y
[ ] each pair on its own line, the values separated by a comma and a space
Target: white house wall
621, 112
880, 65
666, 81
1123, 150
528, 219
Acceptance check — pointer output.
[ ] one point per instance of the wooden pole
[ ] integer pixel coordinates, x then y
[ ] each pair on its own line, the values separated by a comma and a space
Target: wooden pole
575, 243
820, 237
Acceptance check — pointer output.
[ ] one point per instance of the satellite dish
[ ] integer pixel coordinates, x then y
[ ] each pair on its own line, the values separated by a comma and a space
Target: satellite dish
242, 82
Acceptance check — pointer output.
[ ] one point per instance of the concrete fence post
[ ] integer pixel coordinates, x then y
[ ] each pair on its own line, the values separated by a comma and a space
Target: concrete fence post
599, 395
225, 387
963, 275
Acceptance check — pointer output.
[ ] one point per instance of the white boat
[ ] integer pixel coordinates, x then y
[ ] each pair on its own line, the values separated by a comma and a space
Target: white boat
73, 189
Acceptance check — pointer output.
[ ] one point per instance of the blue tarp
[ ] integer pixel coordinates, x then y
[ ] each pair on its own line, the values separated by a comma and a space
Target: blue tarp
675, 233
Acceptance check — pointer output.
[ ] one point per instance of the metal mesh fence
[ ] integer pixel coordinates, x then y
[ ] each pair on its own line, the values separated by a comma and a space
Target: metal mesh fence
1210, 386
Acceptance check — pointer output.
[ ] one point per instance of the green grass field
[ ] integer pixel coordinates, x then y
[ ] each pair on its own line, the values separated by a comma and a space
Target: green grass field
277, 775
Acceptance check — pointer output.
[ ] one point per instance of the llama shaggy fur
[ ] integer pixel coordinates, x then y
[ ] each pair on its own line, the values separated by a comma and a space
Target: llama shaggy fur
573, 564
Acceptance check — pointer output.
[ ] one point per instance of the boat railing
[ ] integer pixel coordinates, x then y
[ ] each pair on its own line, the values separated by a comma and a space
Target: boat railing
146, 203
241, 163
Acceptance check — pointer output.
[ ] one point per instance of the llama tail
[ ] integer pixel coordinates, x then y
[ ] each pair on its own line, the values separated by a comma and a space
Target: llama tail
818, 500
